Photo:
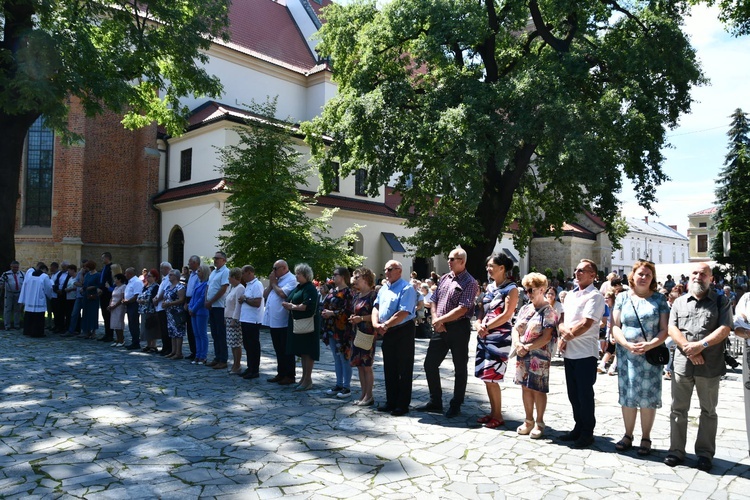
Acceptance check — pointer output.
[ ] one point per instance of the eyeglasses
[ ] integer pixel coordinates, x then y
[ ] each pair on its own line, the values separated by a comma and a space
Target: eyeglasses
583, 270
529, 291
454, 258
388, 269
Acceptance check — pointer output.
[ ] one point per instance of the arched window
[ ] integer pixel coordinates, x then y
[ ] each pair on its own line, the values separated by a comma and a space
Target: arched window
177, 248
38, 185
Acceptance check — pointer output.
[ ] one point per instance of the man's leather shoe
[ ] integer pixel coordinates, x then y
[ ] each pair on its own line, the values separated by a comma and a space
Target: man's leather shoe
430, 407
132, 347
398, 412
569, 436
105, 339
453, 411
583, 442
704, 464
673, 461
275, 380
219, 366
249, 375
286, 381
386, 408
213, 362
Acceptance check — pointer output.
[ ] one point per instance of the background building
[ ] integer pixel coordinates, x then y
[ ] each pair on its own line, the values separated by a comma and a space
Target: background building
649, 240
701, 233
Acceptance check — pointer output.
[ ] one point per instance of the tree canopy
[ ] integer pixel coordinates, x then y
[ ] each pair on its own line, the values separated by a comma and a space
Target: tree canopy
138, 58
485, 112
266, 211
733, 203
735, 13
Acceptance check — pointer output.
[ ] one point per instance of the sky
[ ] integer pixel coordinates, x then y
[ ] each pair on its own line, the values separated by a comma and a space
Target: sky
699, 144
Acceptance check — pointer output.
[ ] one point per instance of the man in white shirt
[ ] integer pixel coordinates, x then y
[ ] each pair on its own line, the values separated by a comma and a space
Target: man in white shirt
132, 290
251, 316
280, 284
166, 343
218, 283
579, 336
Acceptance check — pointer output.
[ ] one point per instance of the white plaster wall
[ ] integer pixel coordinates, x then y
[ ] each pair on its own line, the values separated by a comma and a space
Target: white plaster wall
200, 223
204, 143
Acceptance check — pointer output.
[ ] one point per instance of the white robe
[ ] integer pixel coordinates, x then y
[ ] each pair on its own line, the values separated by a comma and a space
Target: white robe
35, 291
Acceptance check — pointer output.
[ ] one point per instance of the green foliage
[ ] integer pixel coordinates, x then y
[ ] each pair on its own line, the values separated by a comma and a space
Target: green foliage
733, 214
483, 117
266, 212
548, 272
735, 13
560, 275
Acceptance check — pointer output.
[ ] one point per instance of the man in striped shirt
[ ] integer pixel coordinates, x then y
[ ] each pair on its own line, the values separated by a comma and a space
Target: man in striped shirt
452, 308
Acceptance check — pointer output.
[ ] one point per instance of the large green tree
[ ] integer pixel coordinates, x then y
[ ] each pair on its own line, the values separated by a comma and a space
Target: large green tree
485, 111
735, 13
266, 212
733, 203
134, 57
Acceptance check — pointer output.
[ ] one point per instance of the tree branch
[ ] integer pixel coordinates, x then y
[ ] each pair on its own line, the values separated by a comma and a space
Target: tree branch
628, 14
560, 45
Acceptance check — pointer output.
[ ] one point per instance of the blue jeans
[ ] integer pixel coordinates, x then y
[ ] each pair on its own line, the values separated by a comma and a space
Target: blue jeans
75, 317
200, 330
218, 333
342, 366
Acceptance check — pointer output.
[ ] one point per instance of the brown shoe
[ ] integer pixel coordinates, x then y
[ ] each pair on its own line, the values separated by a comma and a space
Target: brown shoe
275, 379
219, 366
213, 363
286, 381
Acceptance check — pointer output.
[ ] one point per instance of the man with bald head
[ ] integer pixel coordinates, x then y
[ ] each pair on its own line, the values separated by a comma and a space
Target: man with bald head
280, 284
699, 324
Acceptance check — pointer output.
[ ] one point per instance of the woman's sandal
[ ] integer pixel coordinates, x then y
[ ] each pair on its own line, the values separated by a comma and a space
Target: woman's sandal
623, 445
526, 428
538, 431
644, 450
494, 423
484, 419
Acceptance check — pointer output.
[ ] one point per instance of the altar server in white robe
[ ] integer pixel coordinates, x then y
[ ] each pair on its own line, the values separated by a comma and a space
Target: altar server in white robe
36, 289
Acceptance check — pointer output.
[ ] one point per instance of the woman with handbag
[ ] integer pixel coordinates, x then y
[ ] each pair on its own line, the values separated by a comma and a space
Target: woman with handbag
232, 318
117, 310
336, 310
147, 310
177, 316
640, 327
363, 349
303, 335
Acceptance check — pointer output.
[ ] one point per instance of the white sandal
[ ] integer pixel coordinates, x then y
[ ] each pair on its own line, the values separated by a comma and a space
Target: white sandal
526, 428
538, 430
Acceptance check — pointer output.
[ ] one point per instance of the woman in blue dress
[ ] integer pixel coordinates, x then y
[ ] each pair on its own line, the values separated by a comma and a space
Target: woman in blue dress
639, 324
494, 334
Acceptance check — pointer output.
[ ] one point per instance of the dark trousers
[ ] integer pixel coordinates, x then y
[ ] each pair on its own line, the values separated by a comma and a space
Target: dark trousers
69, 304
580, 376
398, 365
218, 333
58, 310
456, 340
285, 366
251, 342
104, 299
33, 324
134, 324
190, 332
166, 342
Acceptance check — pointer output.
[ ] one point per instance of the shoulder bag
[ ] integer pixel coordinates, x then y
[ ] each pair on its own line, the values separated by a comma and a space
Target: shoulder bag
659, 355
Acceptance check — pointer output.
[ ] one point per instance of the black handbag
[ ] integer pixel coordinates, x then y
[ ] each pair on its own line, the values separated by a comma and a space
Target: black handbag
659, 355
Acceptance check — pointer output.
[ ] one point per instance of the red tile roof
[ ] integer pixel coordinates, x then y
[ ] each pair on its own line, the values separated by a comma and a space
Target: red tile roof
191, 191
354, 205
266, 29
705, 211
595, 219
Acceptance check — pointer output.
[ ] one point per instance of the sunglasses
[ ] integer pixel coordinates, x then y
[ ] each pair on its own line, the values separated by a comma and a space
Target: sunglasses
529, 291
454, 258
388, 269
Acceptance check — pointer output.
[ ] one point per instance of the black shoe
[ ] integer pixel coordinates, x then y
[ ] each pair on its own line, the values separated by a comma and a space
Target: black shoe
132, 347
247, 370
386, 408
164, 353
275, 380
106, 339
430, 407
673, 461
704, 464
399, 412
248, 376
569, 436
453, 411
191, 357
583, 442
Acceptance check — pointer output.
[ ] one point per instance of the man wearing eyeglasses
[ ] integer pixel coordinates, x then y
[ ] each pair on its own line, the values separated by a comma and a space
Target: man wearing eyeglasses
281, 282
393, 318
218, 282
579, 334
451, 322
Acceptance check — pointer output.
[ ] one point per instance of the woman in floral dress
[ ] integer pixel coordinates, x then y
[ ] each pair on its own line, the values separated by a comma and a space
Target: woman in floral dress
361, 318
494, 334
535, 325
337, 332
640, 322
117, 310
177, 317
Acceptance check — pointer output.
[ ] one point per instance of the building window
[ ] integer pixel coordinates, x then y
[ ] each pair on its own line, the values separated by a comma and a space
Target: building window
632, 253
660, 257
360, 182
703, 224
622, 254
177, 248
38, 188
186, 164
702, 243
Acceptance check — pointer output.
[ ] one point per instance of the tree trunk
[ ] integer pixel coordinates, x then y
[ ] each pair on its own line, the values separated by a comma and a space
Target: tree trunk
499, 186
13, 131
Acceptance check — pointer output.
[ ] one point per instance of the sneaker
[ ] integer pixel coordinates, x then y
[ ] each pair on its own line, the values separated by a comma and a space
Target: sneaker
600, 369
344, 393
334, 391
114, 344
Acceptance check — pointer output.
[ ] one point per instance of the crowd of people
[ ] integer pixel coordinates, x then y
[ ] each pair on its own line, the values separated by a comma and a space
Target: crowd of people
624, 324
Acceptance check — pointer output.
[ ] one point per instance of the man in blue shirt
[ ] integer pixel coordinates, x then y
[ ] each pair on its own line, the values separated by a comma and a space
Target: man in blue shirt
393, 318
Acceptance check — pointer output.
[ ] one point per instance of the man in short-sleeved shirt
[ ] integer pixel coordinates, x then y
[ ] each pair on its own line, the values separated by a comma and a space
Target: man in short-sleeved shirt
579, 336
218, 283
393, 317
251, 316
281, 282
130, 299
699, 323
451, 322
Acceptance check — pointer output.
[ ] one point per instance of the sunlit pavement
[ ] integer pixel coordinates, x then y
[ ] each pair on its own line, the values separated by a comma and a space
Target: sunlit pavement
81, 419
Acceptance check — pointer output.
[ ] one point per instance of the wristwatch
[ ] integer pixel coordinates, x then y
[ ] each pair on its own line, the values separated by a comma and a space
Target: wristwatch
705, 344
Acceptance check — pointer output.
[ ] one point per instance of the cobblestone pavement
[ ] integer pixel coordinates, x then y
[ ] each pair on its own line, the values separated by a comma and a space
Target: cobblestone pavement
80, 419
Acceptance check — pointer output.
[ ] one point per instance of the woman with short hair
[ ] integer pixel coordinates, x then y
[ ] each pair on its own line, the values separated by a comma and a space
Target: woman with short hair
177, 318
147, 310
90, 321
337, 332
199, 315
361, 319
303, 303
117, 310
232, 311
